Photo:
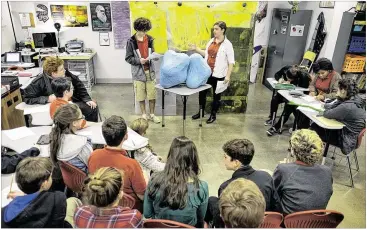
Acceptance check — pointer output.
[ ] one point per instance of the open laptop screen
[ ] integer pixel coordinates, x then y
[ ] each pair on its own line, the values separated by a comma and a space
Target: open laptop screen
14, 57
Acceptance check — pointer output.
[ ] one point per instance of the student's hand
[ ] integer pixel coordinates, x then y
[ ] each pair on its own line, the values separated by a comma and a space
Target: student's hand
51, 98
92, 104
320, 97
312, 94
281, 80
14, 194
192, 47
286, 82
143, 61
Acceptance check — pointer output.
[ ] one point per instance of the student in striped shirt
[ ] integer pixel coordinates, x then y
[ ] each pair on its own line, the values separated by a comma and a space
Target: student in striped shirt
103, 192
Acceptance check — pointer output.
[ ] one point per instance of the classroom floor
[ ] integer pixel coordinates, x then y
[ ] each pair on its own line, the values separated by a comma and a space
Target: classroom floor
210, 138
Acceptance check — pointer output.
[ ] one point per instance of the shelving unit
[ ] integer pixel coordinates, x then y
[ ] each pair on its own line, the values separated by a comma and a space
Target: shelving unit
356, 51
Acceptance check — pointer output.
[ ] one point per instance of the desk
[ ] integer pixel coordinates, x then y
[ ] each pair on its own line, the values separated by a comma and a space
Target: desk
10, 117
185, 92
40, 113
327, 124
23, 65
272, 83
80, 62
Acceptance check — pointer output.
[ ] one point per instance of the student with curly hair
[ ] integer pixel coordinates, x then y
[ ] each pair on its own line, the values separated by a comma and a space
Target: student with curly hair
102, 194
304, 185
242, 205
348, 109
138, 49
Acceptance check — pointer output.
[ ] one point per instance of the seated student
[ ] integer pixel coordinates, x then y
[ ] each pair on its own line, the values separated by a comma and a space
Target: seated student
242, 205
177, 193
348, 109
63, 91
289, 75
40, 92
102, 194
147, 159
35, 206
114, 130
65, 145
237, 157
10, 162
304, 185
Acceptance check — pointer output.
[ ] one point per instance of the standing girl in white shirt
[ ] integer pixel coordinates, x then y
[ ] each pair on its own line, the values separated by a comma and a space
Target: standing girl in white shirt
219, 55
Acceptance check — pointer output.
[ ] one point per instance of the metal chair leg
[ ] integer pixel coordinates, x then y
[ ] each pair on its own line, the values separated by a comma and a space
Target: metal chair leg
350, 171
356, 160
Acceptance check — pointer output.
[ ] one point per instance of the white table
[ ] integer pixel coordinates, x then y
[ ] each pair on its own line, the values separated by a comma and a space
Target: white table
23, 65
40, 113
183, 91
272, 83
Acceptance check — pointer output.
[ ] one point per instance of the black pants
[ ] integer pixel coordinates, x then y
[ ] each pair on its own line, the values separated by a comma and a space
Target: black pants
334, 135
288, 110
216, 97
213, 213
275, 101
89, 113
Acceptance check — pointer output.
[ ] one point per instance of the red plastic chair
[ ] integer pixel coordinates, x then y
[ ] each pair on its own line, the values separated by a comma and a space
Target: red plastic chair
159, 223
127, 201
72, 176
272, 220
314, 219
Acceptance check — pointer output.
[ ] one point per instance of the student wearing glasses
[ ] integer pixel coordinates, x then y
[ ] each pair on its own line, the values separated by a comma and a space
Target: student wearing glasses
65, 145
40, 90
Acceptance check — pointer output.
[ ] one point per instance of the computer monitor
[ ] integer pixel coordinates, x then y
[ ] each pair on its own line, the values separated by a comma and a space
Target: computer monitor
13, 57
44, 40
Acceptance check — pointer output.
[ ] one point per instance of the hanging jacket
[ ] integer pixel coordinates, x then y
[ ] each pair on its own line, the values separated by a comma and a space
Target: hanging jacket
38, 91
9, 162
352, 115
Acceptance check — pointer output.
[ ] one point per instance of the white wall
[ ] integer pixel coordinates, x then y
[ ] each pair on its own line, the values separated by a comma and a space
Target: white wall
109, 64
7, 37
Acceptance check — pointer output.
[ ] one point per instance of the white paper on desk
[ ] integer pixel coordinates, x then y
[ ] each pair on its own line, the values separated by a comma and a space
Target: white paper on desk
27, 65
221, 87
4, 193
309, 98
37, 109
154, 55
18, 133
85, 133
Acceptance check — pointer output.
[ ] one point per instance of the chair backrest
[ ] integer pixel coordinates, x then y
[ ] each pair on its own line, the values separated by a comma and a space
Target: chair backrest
158, 223
360, 137
72, 176
314, 219
127, 201
272, 220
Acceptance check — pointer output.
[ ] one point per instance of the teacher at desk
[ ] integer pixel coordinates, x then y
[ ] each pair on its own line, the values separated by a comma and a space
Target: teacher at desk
40, 91
219, 55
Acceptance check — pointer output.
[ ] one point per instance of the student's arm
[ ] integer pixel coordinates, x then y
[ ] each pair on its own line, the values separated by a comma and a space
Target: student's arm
304, 81
32, 95
280, 74
148, 205
137, 181
278, 183
203, 206
80, 92
338, 113
130, 57
148, 160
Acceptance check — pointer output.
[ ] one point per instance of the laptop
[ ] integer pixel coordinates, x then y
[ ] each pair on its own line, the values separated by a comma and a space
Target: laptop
13, 58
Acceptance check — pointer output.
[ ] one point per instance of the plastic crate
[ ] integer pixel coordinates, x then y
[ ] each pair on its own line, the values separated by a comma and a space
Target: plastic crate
357, 45
354, 63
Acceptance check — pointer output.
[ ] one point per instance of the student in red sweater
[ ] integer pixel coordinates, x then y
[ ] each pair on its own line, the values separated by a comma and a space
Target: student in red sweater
63, 91
114, 131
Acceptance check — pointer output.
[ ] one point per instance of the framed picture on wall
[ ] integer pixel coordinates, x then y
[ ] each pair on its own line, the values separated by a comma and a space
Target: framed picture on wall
326, 4
101, 16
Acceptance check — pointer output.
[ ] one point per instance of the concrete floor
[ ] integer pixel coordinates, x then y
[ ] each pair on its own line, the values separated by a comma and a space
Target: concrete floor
117, 99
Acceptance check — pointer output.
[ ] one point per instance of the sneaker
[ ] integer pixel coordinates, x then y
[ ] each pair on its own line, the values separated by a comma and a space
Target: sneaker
154, 118
268, 122
144, 116
271, 131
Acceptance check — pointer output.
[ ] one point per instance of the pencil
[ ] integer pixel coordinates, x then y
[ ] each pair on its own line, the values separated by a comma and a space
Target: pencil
11, 183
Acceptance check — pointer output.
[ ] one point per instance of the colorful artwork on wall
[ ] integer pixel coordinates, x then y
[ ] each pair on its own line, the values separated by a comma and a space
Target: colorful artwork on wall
70, 15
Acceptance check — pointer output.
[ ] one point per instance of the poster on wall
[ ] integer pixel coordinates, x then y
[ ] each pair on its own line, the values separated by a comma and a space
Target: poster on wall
70, 15
101, 16
121, 23
104, 39
41, 12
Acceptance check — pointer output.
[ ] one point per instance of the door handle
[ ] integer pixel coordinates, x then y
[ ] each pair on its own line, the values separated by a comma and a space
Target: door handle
275, 32
275, 52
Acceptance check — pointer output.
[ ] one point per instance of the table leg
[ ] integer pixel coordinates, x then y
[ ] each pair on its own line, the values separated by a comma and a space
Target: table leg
326, 147
184, 114
163, 124
201, 116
